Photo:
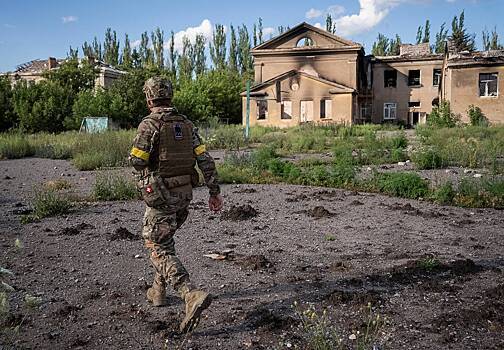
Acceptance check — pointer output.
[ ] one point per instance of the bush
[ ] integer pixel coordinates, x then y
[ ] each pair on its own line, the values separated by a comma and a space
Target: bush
480, 194
400, 184
428, 159
49, 203
442, 117
444, 194
8, 118
476, 116
114, 187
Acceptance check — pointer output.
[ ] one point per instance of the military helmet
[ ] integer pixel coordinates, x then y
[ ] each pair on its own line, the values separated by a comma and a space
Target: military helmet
158, 88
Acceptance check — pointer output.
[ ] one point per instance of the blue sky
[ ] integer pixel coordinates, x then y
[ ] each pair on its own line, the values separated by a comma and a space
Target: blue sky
39, 29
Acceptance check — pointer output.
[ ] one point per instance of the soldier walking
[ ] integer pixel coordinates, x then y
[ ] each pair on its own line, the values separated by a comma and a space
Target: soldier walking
165, 151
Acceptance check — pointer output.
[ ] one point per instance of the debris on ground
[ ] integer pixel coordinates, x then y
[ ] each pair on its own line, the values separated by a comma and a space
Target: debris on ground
239, 213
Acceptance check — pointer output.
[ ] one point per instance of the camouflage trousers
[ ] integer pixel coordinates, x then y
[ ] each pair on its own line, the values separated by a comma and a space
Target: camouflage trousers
159, 227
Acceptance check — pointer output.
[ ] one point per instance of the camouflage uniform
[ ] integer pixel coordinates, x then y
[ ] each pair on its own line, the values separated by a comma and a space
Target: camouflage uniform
161, 221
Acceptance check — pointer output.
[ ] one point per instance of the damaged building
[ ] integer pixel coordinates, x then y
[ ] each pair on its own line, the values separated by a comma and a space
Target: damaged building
310, 75
35, 70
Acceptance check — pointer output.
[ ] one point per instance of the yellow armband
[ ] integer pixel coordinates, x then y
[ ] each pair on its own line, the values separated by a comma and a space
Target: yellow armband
137, 152
200, 150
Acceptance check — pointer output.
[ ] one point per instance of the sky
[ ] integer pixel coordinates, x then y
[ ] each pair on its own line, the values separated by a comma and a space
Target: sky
32, 29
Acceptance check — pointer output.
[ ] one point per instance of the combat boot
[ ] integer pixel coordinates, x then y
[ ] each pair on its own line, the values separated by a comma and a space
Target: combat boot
196, 301
156, 294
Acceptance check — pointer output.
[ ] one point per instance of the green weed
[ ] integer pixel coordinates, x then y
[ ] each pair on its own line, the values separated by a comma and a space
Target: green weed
444, 194
112, 187
428, 263
428, 159
400, 184
47, 203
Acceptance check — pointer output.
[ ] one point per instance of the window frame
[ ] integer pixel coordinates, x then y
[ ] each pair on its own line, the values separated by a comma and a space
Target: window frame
419, 77
434, 75
487, 95
385, 80
387, 107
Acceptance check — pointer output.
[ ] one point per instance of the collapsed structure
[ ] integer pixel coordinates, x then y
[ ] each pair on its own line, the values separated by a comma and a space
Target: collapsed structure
35, 70
310, 75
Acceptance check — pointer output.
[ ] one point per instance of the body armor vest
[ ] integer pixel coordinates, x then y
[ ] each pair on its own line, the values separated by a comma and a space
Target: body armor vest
176, 155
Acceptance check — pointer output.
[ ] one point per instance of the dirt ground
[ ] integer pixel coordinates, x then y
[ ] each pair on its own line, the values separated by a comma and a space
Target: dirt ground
332, 249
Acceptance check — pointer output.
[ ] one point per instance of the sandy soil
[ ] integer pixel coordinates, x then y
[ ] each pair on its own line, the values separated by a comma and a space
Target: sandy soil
332, 249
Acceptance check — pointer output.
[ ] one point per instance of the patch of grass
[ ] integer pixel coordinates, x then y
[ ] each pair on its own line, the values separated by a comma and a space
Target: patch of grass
488, 193
400, 184
428, 263
330, 238
47, 203
32, 302
14, 146
444, 194
112, 187
58, 185
428, 159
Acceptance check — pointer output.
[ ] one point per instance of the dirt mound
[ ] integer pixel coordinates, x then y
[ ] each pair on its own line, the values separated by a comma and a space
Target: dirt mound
239, 213
411, 210
267, 319
254, 262
297, 198
122, 233
75, 230
319, 212
360, 297
356, 202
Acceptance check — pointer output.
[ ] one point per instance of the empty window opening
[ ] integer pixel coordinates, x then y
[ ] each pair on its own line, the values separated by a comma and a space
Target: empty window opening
488, 84
436, 77
389, 111
305, 41
262, 109
390, 78
414, 104
325, 108
286, 109
414, 77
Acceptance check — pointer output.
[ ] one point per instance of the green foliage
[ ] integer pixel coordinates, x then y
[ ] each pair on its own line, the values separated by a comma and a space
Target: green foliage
476, 116
13, 146
100, 103
428, 159
428, 263
441, 37
442, 117
400, 184
48, 203
113, 187
487, 193
7, 116
461, 40
444, 194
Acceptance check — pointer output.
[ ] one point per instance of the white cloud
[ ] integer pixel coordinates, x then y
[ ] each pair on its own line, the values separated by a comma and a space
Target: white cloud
335, 10
268, 31
69, 19
318, 25
371, 13
135, 43
313, 13
205, 29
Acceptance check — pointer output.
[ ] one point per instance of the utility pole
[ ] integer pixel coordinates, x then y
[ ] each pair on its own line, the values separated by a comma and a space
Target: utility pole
247, 118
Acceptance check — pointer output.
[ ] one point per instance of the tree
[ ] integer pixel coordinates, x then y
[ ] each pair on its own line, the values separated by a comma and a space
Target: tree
419, 35
87, 50
426, 36
282, 29
7, 116
218, 47
186, 61
260, 31
460, 39
99, 103
199, 54
146, 54
72, 76
380, 46
233, 51
441, 37
157, 43
442, 116
136, 59
97, 49
491, 41
73, 54
245, 62
111, 48
254, 35
173, 56
394, 47
330, 26
126, 58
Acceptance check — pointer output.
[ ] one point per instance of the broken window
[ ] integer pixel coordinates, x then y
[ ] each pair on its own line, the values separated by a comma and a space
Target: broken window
390, 78
414, 77
325, 108
389, 111
286, 109
305, 41
488, 83
436, 77
262, 109
414, 104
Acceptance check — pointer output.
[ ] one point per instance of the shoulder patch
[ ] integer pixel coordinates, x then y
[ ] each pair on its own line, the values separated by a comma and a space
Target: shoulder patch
177, 132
